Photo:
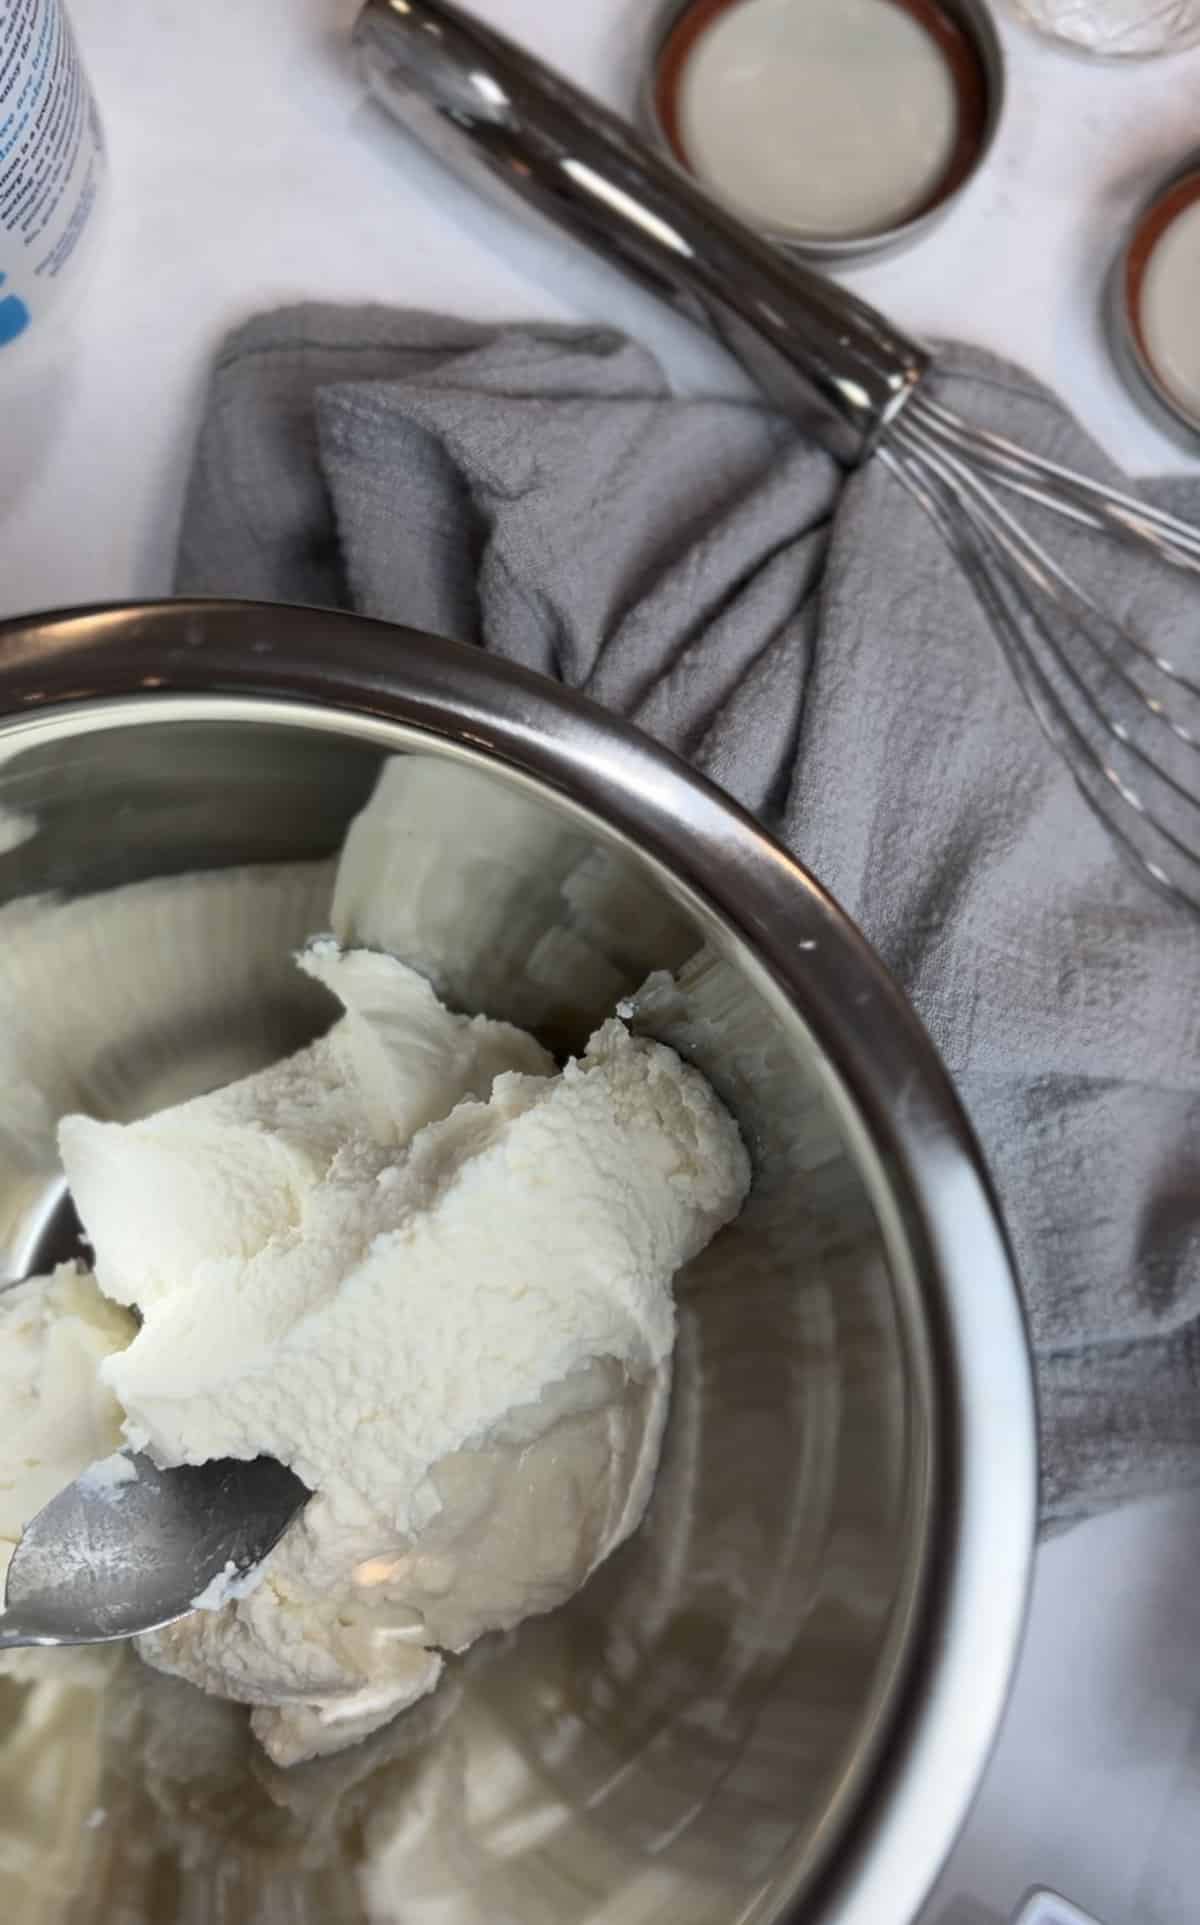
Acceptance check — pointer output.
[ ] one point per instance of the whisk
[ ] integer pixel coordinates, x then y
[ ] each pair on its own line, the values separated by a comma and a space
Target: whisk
1115, 707
1124, 716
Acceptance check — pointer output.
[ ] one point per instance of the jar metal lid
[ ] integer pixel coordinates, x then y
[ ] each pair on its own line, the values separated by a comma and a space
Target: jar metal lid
716, 36
1129, 327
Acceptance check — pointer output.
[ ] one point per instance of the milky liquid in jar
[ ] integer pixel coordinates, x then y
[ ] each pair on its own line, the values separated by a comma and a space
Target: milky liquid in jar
823, 119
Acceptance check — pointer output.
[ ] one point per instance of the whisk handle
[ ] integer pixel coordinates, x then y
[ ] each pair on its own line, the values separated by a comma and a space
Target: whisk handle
496, 114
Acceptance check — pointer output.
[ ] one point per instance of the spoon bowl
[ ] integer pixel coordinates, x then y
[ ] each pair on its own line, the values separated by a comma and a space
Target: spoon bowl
129, 1547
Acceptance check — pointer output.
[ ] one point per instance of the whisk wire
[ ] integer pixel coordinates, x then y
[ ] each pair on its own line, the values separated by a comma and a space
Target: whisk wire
1091, 622
1102, 507
1019, 586
1105, 769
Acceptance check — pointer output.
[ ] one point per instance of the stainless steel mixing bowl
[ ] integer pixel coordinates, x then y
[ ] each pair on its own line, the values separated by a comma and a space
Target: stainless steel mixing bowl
774, 1702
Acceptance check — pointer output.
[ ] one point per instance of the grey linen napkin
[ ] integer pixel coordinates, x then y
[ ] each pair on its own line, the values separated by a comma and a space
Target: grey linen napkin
806, 640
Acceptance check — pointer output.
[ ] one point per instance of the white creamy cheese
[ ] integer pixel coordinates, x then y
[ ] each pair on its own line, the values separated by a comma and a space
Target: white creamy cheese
433, 1277
227, 1177
56, 1417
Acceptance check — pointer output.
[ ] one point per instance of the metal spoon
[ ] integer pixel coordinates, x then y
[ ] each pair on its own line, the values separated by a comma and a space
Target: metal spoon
129, 1547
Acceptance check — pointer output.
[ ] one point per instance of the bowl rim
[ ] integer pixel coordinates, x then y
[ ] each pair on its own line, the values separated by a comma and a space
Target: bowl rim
943, 1726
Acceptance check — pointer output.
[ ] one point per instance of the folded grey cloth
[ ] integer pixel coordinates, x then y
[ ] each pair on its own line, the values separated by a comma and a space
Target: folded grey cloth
807, 641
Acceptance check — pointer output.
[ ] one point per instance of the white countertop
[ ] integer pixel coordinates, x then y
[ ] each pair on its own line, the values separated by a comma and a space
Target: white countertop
247, 172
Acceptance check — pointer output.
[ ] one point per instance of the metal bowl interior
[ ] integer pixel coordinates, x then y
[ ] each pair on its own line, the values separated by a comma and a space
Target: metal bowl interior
781, 1691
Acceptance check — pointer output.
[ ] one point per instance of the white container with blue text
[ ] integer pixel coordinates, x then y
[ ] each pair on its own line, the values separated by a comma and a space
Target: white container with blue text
52, 169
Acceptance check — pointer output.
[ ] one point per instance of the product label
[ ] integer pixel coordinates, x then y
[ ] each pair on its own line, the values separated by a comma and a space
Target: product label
51, 155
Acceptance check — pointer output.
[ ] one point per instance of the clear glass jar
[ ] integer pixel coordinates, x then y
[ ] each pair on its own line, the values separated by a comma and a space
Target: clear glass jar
1130, 29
